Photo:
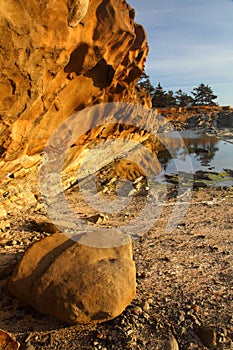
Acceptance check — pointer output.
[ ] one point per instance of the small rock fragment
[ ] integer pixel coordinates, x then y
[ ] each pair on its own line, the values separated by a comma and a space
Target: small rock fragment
100, 335
182, 316
98, 218
146, 306
171, 344
137, 310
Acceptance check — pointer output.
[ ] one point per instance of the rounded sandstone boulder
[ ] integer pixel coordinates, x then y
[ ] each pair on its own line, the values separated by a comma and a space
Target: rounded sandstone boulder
74, 282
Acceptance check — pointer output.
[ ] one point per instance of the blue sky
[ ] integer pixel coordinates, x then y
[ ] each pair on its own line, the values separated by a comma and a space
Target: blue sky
190, 42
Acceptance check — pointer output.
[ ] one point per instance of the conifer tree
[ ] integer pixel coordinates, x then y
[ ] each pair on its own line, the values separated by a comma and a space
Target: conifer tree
144, 82
183, 99
170, 99
203, 95
159, 98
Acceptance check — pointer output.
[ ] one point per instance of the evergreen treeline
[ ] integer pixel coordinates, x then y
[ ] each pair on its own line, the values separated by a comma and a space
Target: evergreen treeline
201, 95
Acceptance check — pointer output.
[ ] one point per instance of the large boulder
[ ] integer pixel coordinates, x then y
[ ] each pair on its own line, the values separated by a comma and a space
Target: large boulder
89, 281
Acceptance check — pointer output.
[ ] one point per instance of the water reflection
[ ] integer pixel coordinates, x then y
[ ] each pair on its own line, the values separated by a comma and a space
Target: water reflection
206, 152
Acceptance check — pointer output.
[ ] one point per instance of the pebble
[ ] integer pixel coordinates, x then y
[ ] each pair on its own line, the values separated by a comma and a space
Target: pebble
195, 308
100, 335
171, 344
27, 340
98, 218
182, 316
129, 332
146, 306
137, 310
132, 192
195, 319
146, 316
183, 330
139, 179
141, 274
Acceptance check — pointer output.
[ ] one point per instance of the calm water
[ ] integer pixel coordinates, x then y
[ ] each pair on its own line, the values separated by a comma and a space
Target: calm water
189, 151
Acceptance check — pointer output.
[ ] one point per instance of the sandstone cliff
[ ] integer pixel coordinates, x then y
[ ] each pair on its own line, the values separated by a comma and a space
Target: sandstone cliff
52, 65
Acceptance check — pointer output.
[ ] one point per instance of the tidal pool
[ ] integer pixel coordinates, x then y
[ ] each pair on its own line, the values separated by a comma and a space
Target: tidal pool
191, 152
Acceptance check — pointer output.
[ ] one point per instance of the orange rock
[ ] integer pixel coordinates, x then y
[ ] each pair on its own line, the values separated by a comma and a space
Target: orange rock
87, 282
51, 67
7, 342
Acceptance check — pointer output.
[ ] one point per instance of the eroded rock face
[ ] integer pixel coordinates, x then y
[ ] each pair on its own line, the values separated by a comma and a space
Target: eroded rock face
54, 61
90, 281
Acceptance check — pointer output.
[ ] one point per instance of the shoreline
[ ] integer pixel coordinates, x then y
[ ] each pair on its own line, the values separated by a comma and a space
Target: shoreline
184, 277
184, 282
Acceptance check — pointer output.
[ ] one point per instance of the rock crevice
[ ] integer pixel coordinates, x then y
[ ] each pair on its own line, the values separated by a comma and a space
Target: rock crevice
52, 65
